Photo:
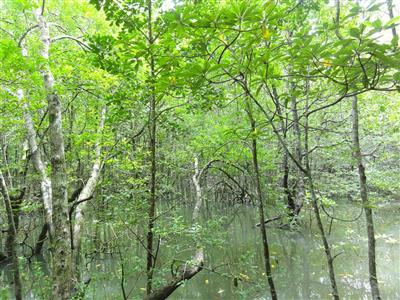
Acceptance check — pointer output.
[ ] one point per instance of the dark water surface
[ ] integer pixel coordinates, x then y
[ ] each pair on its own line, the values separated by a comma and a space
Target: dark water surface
298, 261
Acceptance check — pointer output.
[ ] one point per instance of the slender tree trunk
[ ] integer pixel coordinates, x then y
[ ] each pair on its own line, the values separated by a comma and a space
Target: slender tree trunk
285, 184
199, 197
45, 183
4, 150
59, 229
10, 240
89, 187
307, 172
325, 242
189, 269
314, 201
12, 251
373, 279
263, 231
152, 149
298, 152
41, 239
391, 15
291, 205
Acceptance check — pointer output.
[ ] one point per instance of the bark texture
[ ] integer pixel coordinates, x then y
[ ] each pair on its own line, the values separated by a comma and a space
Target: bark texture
89, 187
307, 173
45, 183
391, 15
152, 149
291, 205
259, 195
314, 200
59, 228
373, 279
12, 251
190, 268
298, 151
196, 183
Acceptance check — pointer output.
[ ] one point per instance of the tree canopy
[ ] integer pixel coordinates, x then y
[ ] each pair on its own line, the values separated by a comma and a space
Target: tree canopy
136, 134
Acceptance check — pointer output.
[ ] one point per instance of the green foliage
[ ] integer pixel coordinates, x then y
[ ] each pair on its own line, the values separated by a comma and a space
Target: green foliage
210, 65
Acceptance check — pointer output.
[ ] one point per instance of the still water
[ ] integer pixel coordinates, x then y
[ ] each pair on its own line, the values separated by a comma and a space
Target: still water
233, 250
298, 260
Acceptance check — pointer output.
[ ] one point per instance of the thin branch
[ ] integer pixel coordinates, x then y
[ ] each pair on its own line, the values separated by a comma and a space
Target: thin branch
42, 9
23, 36
76, 39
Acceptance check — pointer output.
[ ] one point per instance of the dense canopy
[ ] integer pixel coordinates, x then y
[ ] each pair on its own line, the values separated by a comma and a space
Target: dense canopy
199, 149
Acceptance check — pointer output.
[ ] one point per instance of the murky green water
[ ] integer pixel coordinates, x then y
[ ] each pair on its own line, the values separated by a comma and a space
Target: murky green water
299, 264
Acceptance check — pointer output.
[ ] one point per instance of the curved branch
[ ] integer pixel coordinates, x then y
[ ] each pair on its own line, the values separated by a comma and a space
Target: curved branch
76, 39
23, 36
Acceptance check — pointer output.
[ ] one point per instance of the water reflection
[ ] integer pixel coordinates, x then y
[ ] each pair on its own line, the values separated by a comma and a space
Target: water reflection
234, 266
299, 263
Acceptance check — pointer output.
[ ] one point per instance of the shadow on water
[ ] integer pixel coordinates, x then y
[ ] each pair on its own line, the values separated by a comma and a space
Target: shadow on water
298, 262
300, 270
234, 261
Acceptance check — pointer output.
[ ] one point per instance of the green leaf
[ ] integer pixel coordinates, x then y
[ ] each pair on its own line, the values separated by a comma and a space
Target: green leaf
377, 24
393, 21
375, 7
354, 32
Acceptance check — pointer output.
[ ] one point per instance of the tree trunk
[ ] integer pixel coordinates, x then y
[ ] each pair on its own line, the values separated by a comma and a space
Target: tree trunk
314, 201
152, 148
45, 183
12, 251
41, 239
59, 236
391, 15
298, 152
307, 172
59, 229
373, 279
4, 150
196, 183
89, 187
263, 231
325, 242
189, 269
291, 205
10, 240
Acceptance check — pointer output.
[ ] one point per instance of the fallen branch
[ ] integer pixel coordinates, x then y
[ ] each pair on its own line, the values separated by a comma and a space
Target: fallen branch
187, 271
